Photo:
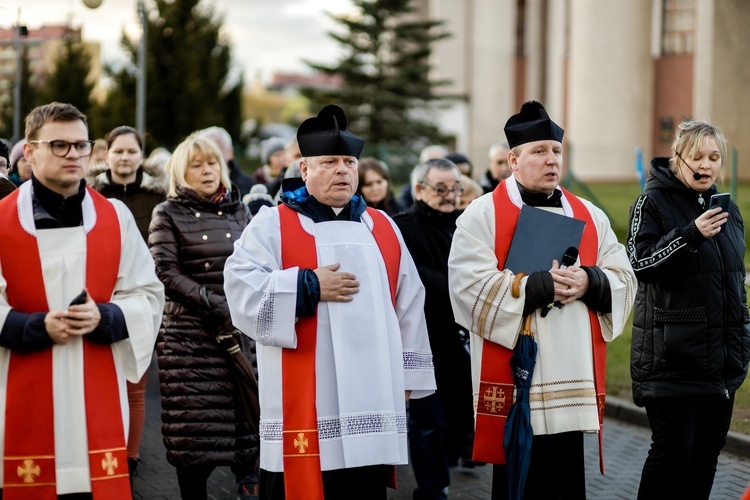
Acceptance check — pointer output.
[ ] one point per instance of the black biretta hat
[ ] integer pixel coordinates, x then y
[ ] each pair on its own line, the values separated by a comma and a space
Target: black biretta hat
531, 124
326, 134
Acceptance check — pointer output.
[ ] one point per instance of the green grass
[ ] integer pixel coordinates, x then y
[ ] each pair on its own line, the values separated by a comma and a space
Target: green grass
615, 199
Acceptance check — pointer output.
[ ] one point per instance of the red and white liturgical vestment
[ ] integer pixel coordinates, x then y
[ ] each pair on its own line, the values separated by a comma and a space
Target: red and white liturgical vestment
367, 351
78, 445
564, 394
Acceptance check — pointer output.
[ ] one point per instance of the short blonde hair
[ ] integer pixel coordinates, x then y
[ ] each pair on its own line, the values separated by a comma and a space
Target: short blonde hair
195, 144
690, 136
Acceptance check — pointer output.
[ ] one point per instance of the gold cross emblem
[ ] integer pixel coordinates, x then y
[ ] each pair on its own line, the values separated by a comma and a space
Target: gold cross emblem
28, 471
300, 442
494, 399
109, 464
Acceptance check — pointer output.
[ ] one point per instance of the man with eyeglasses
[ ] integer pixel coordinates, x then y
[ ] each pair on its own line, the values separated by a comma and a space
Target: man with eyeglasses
497, 167
597, 291
80, 307
439, 425
6, 186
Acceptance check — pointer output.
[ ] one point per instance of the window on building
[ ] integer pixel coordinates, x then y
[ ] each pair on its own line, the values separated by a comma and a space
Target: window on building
678, 27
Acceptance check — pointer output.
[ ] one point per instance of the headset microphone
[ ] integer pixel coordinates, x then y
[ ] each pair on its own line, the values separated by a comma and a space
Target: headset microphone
696, 175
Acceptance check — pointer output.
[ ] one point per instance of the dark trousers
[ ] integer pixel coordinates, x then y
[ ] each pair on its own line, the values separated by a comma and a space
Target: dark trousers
427, 428
557, 470
687, 435
360, 483
193, 480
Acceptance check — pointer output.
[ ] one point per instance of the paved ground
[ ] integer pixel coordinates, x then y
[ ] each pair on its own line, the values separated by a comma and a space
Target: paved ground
625, 448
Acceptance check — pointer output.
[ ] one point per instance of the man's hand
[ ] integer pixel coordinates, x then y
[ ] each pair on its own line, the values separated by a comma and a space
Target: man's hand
336, 286
571, 283
78, 320
56, 325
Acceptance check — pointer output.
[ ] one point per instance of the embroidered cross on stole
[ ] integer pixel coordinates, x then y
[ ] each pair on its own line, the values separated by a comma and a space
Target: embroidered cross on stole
496, 379
301, 448
29, 454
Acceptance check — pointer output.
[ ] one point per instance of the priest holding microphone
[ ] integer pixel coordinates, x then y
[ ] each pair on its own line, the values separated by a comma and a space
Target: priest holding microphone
595, 293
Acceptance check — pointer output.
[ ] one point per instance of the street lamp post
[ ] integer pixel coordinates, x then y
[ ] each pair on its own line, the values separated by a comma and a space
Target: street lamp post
17, 84
19, 32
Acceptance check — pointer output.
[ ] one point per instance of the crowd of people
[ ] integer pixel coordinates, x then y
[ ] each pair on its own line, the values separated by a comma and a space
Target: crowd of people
379, 329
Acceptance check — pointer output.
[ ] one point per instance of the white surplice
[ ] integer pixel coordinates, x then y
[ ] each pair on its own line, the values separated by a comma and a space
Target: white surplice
139, 295
562, 396
367, 353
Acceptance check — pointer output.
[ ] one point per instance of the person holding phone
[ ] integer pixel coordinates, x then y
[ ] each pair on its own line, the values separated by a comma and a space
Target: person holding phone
65, 356
691, 330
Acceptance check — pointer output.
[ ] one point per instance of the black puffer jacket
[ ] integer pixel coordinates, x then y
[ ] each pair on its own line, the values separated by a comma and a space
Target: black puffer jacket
190, 239
691, 330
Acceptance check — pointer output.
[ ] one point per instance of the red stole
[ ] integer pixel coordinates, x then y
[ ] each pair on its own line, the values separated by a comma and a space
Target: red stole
496, 379
302, 470
29, 454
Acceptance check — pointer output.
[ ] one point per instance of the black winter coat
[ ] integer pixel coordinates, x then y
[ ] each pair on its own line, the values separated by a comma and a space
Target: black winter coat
428, 234
691, 330
389, 205
190, 239
141, 196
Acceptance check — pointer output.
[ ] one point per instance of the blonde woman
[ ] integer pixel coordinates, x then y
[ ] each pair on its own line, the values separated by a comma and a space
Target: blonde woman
191, 235
691, 331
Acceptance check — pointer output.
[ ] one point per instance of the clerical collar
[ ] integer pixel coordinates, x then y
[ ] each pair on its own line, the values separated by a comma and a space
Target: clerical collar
53, 210
539, 199
295, 195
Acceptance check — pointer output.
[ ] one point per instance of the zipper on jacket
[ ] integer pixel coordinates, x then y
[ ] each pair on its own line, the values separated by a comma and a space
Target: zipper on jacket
724, 313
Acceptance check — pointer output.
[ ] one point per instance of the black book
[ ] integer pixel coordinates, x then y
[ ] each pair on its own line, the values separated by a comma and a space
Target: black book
540, 237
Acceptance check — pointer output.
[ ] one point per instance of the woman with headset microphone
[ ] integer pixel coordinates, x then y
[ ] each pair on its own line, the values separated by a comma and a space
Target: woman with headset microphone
691, 330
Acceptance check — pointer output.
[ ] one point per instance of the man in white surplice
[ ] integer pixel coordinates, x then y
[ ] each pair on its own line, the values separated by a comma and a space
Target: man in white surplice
55, 213
368, 353
575, 309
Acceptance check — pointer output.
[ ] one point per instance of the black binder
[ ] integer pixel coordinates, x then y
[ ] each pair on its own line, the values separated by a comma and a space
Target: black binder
540, 237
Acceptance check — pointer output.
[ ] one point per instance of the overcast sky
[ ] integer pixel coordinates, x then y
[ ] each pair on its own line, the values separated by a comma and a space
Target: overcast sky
266, 35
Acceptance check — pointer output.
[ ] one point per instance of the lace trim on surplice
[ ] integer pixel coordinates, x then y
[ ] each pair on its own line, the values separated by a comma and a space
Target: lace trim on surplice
265, 326
352, 425
418, 361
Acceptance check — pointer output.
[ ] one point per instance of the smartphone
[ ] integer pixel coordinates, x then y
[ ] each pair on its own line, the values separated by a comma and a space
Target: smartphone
80, 299
719, 200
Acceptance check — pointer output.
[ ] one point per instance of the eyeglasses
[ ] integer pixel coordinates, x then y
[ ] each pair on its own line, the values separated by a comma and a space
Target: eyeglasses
61, 148
457, 190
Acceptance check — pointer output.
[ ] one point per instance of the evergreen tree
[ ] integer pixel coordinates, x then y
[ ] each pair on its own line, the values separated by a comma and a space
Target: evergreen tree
68, 80
387, 92
188, 80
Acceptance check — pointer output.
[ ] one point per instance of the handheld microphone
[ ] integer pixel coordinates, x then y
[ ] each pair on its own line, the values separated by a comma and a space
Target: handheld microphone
570, 256
696, 175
